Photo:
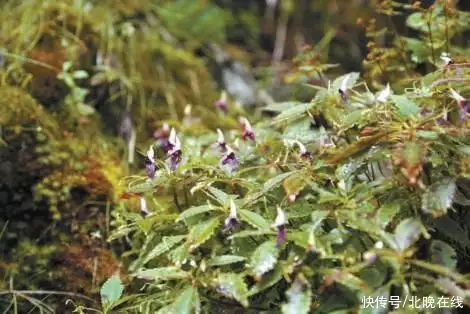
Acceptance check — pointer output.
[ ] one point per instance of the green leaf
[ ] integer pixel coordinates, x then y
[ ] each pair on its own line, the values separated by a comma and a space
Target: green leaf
254, 219
439, 197
407, 233
295, 112
233, 286
225, 260
141, 187
193, 211
275, 181
264, 258
299, 299
387, 212
442, 253
186, 301
80, 74
162, 273
85, 110
164, 246
111, 291
268, 281
429, 135
252, 233
280, 106
406, 107
221, 197
202, 232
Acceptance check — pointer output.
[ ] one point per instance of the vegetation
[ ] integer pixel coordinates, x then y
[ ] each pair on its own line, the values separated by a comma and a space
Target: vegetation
135, 179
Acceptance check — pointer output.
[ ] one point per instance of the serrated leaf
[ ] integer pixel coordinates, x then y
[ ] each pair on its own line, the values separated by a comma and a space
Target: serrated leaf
165, 245
186, 301
221, 197
275, 181
162, 273
299, 298
407, 233
252, 233
254, 219
233, 286
121, 232
280, 106
225, 260
193, 211
141, 188
406, 107
268, 281
439, 197
442, 253
301, 130
111, 291
292, 113
202, 232
387, 212
264, 258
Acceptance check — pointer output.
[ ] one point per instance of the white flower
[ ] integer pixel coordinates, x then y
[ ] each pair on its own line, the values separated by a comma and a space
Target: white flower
302, 148
344, 84
174, 141
384, 94
280, 218
456, 95
221, 138
143, 206
151, 154
187, 110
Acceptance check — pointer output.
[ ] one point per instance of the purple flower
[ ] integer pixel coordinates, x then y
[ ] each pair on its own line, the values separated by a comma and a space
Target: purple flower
150, 165
463, 103
221, 103
247, 130
280, 223
161, 136
230, 159
232, 219
174, 151
221, 142
303, 151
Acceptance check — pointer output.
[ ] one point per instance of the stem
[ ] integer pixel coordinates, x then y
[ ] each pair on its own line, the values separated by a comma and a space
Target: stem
428, 22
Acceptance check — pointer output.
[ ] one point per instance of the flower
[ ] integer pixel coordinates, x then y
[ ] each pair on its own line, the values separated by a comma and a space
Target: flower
247, 130
384, 94
221, 141
232, 219
303, 151
447, 60
221, 103
343, 90
463, 103
230, 159
150, 165
174, 151
161, 135
143, 207
280, 224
